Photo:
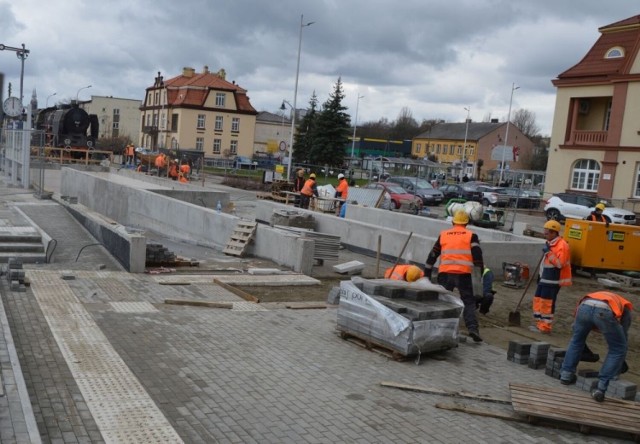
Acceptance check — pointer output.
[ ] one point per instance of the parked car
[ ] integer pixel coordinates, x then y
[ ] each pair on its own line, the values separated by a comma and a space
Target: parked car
562, 206
490, 195
522, 198
461, 191
242, 162
419, 187
398, 195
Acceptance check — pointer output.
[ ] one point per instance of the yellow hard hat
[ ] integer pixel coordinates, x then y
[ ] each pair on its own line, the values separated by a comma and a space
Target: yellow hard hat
600, 206
461, 218
413, 274
312, 176
552, 225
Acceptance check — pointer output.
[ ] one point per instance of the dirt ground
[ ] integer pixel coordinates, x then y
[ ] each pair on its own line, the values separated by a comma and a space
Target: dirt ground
494, 327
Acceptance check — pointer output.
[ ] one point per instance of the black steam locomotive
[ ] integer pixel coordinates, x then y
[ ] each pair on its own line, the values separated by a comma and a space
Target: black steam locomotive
68, 126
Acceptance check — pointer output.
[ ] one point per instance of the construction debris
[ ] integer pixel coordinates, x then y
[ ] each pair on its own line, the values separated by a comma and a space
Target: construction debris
209, 304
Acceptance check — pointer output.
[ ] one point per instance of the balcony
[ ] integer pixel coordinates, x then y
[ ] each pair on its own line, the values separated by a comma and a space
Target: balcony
589, 138
150, 130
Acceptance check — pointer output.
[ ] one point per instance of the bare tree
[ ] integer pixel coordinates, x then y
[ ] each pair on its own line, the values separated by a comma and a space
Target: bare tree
525, 121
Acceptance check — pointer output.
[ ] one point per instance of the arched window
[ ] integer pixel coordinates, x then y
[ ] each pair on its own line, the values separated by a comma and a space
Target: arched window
585, 175
614, 53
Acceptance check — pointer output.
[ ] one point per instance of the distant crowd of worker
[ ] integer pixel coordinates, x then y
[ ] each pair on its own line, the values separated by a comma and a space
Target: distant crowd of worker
174, 169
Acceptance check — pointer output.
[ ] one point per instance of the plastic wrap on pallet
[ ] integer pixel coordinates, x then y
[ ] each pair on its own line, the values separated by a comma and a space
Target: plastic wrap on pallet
364, 317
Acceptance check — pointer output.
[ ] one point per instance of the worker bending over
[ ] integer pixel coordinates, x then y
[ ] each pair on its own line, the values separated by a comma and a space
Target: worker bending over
309, 190
409, 273
459, 251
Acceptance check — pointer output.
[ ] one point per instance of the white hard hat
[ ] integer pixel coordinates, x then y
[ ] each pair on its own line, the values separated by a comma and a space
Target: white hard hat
340, 176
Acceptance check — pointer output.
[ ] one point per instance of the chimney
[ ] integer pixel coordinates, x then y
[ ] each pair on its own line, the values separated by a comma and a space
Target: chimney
188, 72
222, 74
205, 70
494, 121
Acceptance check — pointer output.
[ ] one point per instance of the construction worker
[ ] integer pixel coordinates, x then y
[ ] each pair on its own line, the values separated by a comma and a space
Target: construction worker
298, 183
597, 216
342, 191
130, 154
409, 273
173, 169
610, 314
185, 169
555, 272
484, 302
459, 251
309, 189
161, 163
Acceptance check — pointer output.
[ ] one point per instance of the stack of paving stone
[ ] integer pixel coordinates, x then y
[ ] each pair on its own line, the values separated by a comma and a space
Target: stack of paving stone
555, 358
157, 254
538, 355
15, 274
408, 318
622, 389
293, 218
587, 379
518, 352
326, 246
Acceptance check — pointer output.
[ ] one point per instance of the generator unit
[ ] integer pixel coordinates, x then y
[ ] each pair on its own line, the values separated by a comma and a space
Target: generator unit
515, 275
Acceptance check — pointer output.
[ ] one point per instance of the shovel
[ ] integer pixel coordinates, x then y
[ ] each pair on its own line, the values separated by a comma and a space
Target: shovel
514, 316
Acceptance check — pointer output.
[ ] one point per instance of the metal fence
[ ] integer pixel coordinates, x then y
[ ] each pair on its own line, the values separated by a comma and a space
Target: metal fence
15, 154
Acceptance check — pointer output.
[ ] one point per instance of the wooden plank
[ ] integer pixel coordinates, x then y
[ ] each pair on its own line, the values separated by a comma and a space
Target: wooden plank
576, 407
481, 412
174, 283
305, 306
436, 391
196, 303
244, 295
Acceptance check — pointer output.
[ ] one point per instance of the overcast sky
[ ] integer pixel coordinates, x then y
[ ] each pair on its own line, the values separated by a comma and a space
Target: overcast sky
435, 57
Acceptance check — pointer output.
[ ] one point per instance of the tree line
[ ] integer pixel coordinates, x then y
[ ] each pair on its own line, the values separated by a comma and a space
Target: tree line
324, 131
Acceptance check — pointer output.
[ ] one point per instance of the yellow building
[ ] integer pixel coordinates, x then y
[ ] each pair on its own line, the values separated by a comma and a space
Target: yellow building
595, 140
198, 111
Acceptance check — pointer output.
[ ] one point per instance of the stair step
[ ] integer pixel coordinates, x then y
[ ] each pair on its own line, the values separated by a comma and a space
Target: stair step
24, 247
26, 258
24, 237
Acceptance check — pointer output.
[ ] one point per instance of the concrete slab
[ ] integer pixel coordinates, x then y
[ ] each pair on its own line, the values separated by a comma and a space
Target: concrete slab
280, 280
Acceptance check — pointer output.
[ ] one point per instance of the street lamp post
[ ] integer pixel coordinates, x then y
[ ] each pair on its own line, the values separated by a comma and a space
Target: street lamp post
295, 95
283, 108
78, 93
506, 135
355, 125
464, 147
48, 97
22, 54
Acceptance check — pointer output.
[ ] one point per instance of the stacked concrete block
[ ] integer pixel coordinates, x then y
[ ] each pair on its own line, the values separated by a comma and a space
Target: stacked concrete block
555, 358
15, 274
587, 379
518, 352
157, 254
350, 268
622, 389
538, 355
334, 296
293, 218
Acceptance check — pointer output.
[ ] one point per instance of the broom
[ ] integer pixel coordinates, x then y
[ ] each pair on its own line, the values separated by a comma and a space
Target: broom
514, 316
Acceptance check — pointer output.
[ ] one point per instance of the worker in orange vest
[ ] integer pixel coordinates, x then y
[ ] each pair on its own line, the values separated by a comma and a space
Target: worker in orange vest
130, 154
342, 191
597, 216
185, 169
409, 273
309, 190
610, 314
459, 251
173, 169
555, 272
161, 163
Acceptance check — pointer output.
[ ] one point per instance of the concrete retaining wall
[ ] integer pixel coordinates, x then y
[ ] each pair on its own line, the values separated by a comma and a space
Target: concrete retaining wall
362, 226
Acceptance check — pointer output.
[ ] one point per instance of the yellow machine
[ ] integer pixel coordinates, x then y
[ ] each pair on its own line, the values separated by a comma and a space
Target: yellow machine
594, 245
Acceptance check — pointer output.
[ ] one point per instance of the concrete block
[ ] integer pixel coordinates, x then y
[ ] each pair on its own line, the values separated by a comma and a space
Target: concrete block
263, 271
623, 389
586, 384
392, 292
352, 267
415, 294
371, 288
334, 296
15, 285
588, 373
609, 283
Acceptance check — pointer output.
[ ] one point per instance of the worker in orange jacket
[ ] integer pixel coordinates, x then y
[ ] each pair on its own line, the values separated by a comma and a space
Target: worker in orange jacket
309, 190
555, 272
459, 251
407, 272
610, 314
130, 153
342, 191
185, 169
597, 216
161, 163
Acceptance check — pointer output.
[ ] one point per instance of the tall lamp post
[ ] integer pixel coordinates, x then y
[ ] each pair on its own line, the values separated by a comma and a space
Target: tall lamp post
48, 97
355, 125
464, 147
283, 108
506, 135
78, 93
295, 95
22, 54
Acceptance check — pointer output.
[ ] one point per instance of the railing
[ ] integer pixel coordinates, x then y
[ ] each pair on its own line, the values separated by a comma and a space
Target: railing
75, 155
589, 137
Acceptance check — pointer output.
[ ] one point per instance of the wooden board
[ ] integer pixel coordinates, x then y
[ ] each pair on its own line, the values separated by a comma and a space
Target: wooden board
194, 303
244, 295
576, 407
240, 238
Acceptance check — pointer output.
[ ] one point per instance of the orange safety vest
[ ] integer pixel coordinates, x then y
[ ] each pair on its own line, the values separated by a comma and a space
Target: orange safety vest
130, 150
173, 170
593, 217
160, 161
185, 168
455, 256
556, 264
616, 302
399, 272
307, 189
343, 188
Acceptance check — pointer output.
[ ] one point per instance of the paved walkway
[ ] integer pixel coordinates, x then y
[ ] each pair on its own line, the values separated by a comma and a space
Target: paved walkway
105, 360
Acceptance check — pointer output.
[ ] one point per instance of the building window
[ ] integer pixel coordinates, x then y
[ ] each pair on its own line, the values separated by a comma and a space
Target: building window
418, 147
615, 53
201, 118
636, 193
157, 96
438, 149
459, 150
220, 99
115, 125
217, 145
585, 175
148, 119
235, 124
233, 148
199, 143
174, 122
452, 149
116, 111
219, 121
155, 120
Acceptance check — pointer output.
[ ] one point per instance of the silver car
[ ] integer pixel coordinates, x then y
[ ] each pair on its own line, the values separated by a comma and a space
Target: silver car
419, 187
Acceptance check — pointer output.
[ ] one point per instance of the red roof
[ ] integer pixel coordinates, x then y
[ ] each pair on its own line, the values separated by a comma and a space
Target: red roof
594, 67
193, 90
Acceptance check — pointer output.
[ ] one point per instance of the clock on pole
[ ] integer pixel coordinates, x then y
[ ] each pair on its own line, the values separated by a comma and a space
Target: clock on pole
12, 107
